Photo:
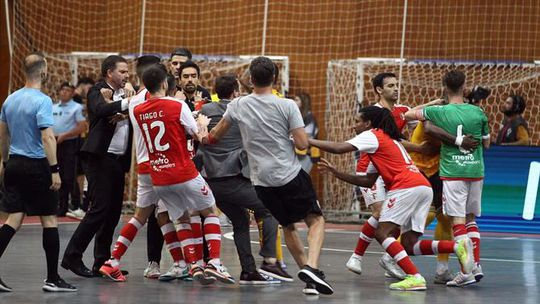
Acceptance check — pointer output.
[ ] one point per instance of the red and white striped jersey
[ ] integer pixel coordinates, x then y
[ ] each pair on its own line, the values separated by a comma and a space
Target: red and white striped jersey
164, 123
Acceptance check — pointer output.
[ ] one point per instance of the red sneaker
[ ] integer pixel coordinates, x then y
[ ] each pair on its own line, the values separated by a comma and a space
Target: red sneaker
113, 273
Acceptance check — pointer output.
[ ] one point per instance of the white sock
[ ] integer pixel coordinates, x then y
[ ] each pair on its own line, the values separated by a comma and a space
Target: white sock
442, 267
215, 262
114, 262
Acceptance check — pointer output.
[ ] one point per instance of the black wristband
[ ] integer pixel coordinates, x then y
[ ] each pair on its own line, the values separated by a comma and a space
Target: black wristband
55, 168
4, 164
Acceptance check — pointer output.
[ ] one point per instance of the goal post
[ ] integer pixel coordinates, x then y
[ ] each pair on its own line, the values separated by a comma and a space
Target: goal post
349, 88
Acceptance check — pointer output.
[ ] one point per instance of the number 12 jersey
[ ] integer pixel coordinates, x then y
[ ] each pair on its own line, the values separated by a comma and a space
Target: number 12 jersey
164, 123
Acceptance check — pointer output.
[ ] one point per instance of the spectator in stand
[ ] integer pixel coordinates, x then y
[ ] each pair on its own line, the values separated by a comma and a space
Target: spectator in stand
514, 131
82, 88
309, 156
69, 123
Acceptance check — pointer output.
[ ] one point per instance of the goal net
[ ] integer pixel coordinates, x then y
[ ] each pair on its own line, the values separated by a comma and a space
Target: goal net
73, 66
349, 88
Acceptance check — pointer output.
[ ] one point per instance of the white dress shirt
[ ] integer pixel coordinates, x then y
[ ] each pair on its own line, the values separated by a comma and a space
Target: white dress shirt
119, 141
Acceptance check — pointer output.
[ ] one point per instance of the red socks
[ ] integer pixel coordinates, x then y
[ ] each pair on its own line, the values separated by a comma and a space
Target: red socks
127, 234
474, 234
460, 232
172, 242
396, 251
366, 235
430, 247
196, 228
212, 235
185, 236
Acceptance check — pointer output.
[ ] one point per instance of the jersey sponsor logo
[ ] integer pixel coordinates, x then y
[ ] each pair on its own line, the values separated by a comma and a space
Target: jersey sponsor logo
464, 160
161, 162
391, 202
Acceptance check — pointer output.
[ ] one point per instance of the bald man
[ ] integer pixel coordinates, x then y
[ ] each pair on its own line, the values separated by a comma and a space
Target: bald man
29, 167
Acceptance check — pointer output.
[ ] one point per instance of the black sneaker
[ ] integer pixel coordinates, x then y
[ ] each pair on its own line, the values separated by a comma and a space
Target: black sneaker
58, 285
310, 290
4, 287
315, 276
275, 271
255, 278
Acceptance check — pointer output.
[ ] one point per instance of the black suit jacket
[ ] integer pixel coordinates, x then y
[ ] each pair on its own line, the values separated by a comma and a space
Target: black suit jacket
101, 131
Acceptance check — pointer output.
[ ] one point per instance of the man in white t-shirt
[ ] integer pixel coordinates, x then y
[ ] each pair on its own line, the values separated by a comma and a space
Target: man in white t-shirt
267, 123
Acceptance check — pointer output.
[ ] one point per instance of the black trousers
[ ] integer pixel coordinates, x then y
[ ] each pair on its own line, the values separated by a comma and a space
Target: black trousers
66, 153
106, 179
154, 240
235, 196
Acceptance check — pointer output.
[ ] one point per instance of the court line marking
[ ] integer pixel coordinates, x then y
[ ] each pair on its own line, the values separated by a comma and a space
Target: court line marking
229, 236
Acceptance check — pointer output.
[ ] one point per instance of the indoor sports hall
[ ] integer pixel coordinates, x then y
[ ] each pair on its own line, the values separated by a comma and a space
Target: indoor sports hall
327, 56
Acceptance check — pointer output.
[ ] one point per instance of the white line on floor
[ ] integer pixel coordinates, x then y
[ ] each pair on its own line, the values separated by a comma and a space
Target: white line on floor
229, 236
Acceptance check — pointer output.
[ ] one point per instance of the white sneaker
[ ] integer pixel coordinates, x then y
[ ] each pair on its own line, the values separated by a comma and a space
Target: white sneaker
461, 279
443, 278
310, 290
219, 272
175, 272
224, 220
152, 271
392, 269
477, 272
76, 214
354, 263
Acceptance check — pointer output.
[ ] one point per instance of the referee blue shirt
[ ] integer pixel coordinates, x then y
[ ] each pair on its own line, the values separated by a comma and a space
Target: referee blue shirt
25, 112
66, 117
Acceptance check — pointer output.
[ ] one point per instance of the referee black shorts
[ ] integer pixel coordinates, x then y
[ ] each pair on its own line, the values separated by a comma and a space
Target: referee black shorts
291, 202
26, 187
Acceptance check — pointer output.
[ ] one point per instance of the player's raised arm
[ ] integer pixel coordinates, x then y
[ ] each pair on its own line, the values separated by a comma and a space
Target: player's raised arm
217, 132
367, 180
332, 147
416, 113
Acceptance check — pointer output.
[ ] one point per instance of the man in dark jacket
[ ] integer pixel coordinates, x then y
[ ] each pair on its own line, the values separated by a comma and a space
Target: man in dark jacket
106, 157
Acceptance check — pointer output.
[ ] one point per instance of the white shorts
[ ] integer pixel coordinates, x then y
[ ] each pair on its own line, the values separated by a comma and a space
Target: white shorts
408, 208
375, 194
146, 195
192, 195
461, 197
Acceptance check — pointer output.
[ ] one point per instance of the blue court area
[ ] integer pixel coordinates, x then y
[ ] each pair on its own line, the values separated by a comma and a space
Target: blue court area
511, 265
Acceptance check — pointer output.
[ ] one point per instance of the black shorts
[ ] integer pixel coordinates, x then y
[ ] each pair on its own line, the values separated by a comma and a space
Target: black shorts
291, 202
437, 186
26, 187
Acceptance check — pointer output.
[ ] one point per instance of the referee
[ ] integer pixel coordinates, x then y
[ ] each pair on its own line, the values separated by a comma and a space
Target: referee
29, 167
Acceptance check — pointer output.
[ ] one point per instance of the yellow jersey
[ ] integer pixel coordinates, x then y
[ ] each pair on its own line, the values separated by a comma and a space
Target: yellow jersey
428, 164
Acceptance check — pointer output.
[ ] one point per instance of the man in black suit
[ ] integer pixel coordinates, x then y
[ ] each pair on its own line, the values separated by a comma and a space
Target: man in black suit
106, 157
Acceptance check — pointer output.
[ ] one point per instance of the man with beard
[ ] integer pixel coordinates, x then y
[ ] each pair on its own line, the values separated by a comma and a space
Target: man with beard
106, 157
514, 130
189, 80
178, 57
